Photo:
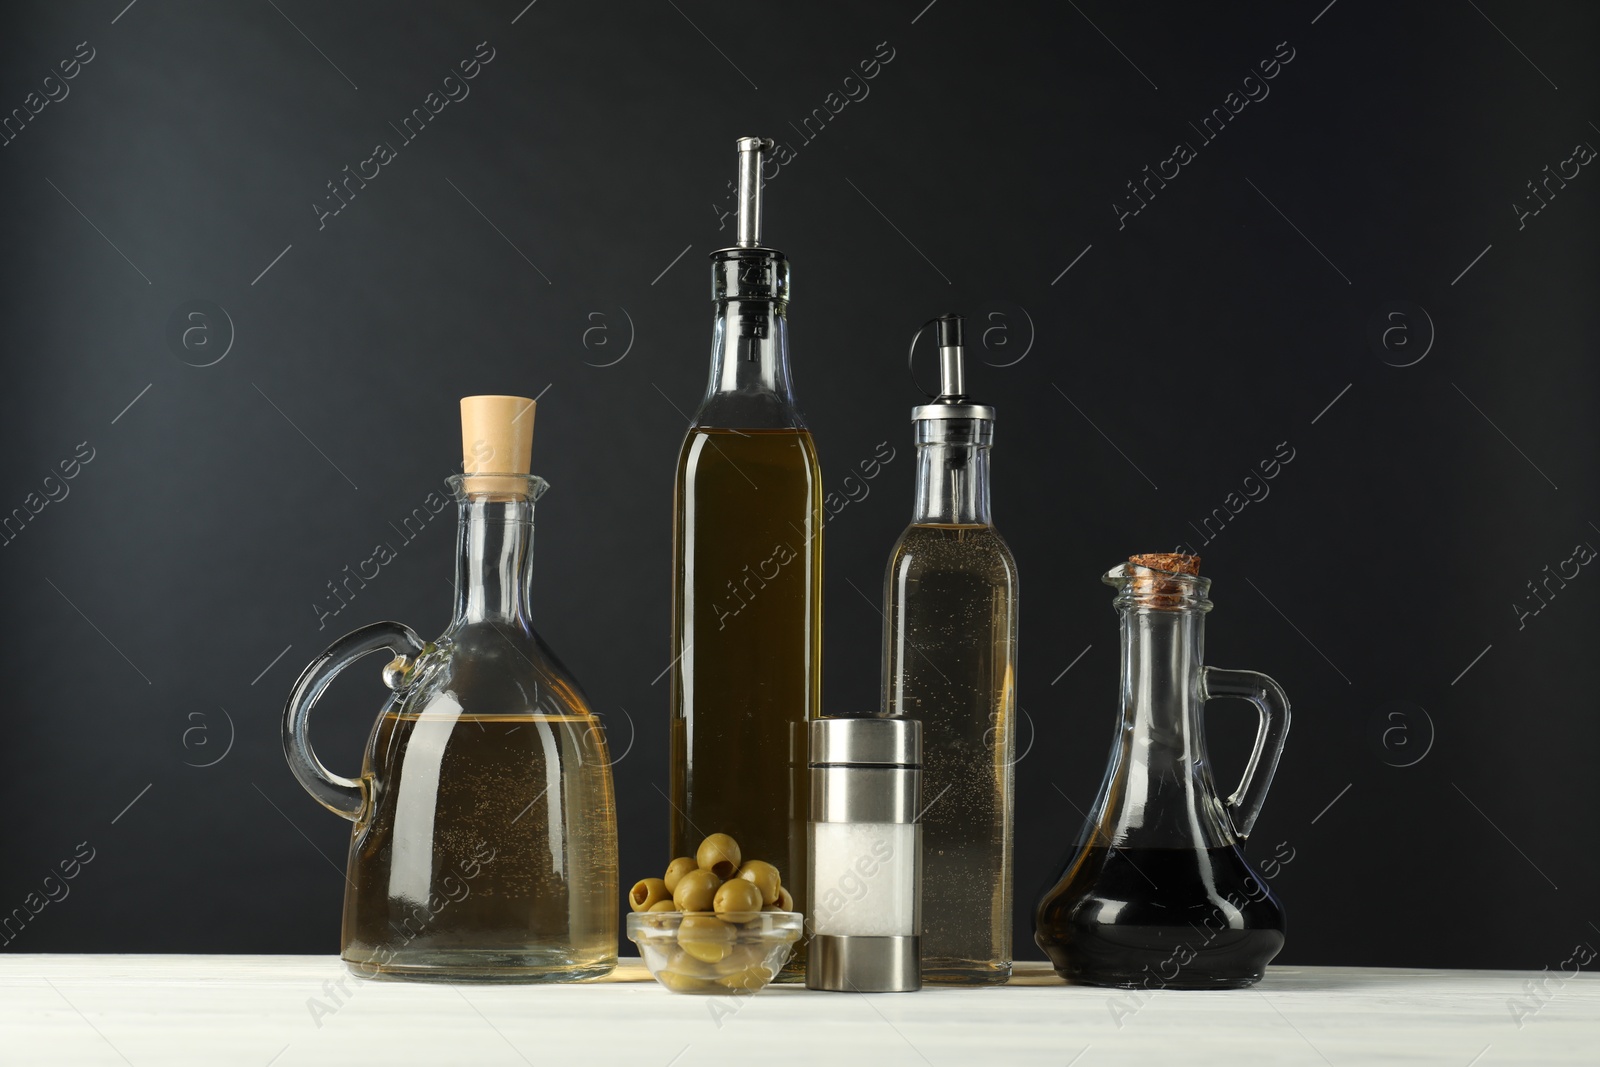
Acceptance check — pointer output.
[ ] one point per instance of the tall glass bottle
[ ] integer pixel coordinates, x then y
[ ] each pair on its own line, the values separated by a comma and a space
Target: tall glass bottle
950, 660
747, 572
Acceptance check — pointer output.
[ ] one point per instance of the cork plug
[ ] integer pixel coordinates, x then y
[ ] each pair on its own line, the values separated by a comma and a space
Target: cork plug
496, 439
1171, 562
1152, 581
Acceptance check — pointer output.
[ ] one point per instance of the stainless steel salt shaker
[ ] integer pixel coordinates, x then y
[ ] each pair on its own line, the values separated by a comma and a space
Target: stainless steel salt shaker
865, 849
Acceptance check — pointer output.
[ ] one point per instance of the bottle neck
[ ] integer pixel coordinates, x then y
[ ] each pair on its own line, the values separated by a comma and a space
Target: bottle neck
1161, 658
494, 558
1158, 791
952, 479
750, 386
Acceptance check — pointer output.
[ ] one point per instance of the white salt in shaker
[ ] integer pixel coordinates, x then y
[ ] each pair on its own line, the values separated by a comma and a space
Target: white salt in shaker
866, 855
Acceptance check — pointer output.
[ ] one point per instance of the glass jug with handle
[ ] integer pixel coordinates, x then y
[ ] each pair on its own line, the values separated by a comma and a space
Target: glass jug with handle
1159, 894
484, 843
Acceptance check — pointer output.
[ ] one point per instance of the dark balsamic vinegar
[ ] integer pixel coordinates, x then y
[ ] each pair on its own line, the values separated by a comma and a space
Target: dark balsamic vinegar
1160, 918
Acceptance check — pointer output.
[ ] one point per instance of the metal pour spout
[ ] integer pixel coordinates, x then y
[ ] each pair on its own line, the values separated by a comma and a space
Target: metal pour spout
750, 150
952, 373
951, 402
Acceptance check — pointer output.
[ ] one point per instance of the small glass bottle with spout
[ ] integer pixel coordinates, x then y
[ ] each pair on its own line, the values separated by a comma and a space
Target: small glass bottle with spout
747, 572
484, 845
950, 660
1158, 893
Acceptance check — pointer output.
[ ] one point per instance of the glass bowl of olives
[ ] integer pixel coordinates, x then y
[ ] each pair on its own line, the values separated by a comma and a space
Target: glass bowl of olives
715, 923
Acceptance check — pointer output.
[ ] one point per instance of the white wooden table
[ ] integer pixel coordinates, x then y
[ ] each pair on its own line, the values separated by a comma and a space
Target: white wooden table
293, 1010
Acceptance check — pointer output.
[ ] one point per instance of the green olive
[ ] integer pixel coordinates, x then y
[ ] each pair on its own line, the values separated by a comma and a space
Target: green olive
719, 854
742, 956
764, 876
785, 901
663, 905
677, 869
680, 983
646, 893
736, 900
705, 937
687, 966
696, 890
747, 980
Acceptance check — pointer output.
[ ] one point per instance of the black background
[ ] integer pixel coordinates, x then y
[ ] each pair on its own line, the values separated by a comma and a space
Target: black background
1136, 391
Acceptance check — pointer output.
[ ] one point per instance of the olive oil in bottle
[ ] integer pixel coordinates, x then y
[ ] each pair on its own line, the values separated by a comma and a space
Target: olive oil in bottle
747, 577
492, 839
749, 586
949, 660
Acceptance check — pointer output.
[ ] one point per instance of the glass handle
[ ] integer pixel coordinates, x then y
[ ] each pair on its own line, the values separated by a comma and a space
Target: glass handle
340, 795
1268, 697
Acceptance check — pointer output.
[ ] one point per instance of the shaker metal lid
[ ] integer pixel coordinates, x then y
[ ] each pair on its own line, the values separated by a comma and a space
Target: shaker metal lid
880, 741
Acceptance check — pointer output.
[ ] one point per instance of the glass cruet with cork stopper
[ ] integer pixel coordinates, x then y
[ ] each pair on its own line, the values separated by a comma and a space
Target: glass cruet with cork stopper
950, 660
484, 845
1158, 893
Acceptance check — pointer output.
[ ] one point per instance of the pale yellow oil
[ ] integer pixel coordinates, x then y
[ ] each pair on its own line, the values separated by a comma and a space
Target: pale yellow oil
489, 853
950, 661
747, 634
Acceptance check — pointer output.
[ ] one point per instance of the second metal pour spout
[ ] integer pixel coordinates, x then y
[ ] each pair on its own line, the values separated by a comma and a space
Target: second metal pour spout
950, 403
750, 151
952, 374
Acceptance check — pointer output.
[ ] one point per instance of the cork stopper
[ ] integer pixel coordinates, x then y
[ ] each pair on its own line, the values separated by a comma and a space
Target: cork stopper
1153, 585
1172, 562
496, 439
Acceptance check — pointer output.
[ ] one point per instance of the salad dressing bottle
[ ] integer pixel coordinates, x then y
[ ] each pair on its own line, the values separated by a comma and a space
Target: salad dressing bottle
483, 844
950, 660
